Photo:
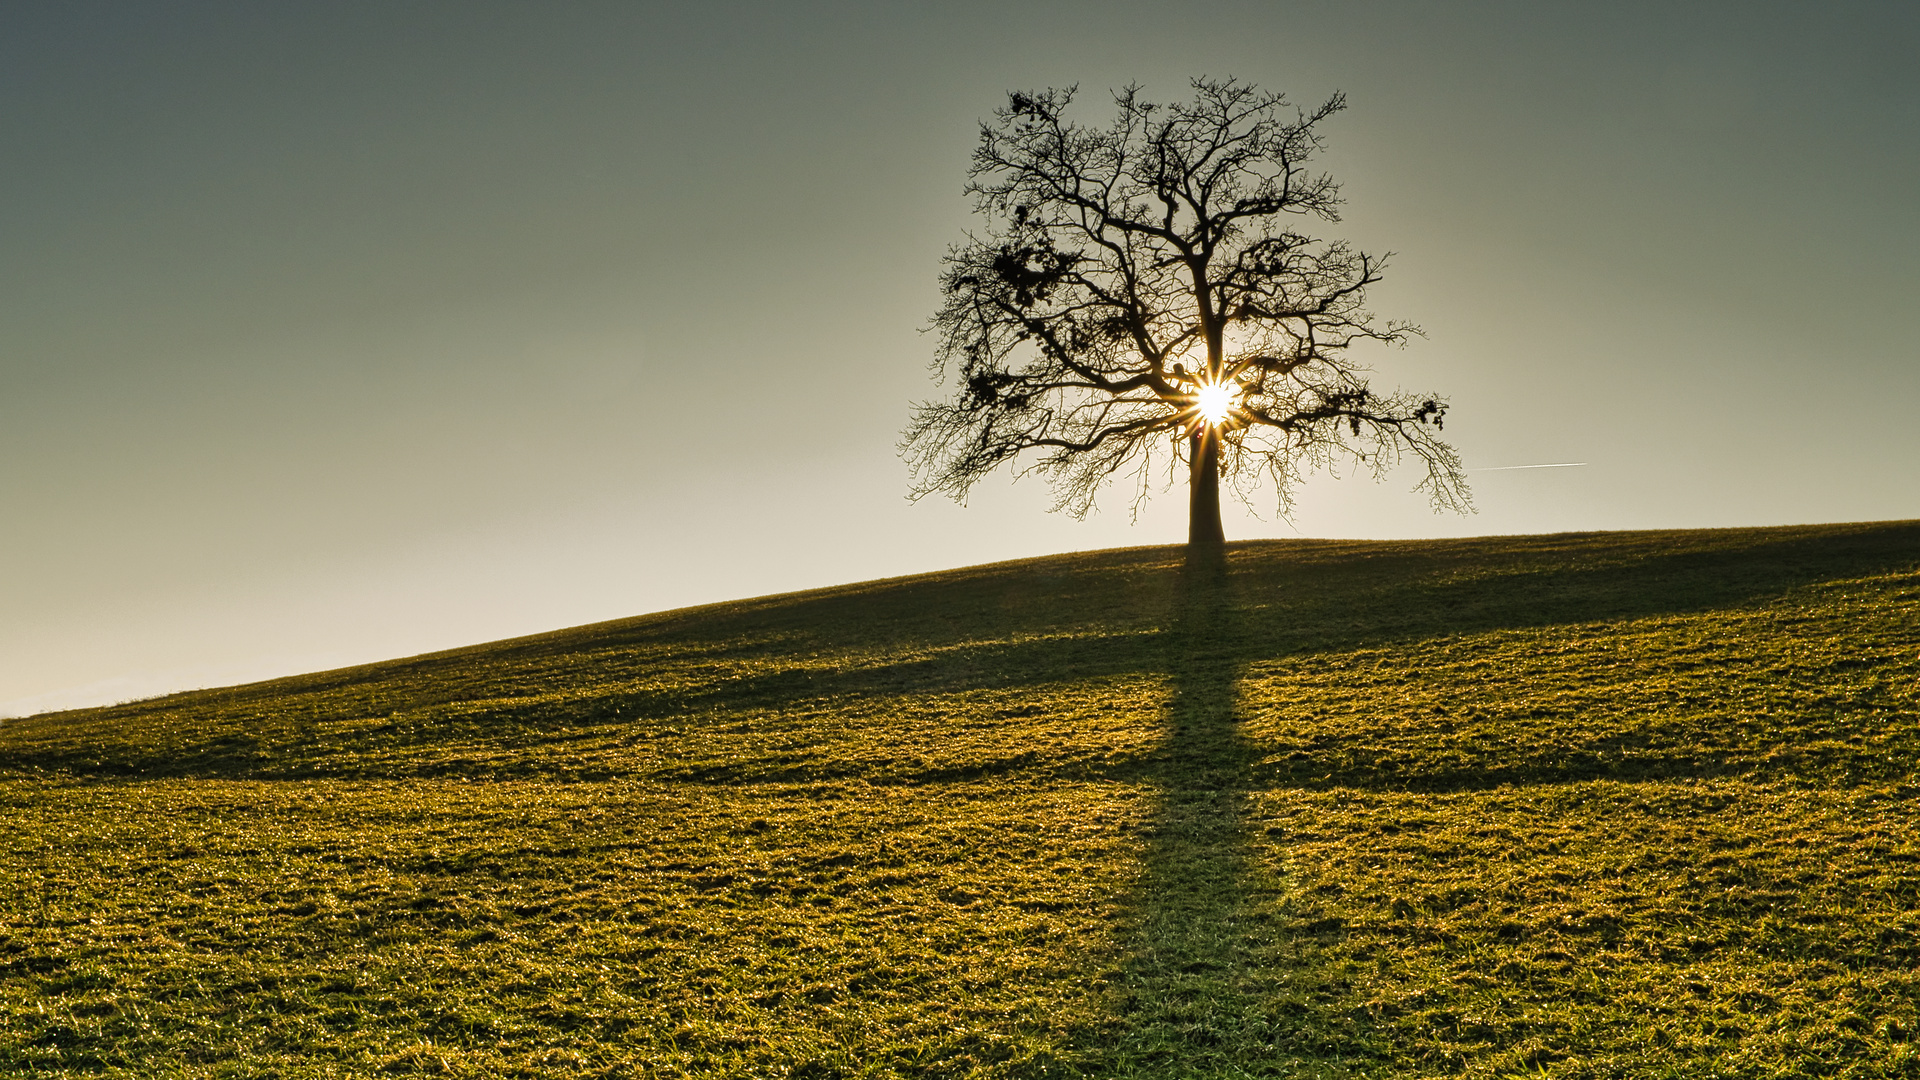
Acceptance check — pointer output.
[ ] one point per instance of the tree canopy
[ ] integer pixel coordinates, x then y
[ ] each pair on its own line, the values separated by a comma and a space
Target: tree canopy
1145, 297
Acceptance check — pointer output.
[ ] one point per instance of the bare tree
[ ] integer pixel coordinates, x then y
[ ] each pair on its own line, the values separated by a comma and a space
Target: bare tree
1144, 297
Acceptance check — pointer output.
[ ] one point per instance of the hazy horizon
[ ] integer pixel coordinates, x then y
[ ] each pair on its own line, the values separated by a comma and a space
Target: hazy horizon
331, 335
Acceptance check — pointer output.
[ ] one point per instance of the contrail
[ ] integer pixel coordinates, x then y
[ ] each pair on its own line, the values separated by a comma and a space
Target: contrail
1555, 465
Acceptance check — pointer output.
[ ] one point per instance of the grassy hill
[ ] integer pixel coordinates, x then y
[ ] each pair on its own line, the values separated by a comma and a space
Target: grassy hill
1624, 804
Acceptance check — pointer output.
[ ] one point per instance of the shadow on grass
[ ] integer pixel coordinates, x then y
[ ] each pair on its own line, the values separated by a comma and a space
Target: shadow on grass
1221, 978
1218, 980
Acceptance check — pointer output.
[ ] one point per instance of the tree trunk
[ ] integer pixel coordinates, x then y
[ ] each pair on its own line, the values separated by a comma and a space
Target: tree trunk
1203, 519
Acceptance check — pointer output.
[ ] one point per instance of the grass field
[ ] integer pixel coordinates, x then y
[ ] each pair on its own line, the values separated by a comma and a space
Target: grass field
1626, 804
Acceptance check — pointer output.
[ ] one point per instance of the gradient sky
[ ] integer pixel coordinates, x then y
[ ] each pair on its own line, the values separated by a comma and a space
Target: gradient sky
337, 332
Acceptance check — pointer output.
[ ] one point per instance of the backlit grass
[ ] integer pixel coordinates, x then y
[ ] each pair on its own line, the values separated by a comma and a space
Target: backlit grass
1602, 805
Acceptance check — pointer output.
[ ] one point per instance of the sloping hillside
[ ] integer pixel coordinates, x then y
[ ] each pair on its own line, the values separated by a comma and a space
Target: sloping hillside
1587, 805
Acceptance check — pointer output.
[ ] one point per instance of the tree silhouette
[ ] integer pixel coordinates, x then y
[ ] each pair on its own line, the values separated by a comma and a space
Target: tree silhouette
1143, 296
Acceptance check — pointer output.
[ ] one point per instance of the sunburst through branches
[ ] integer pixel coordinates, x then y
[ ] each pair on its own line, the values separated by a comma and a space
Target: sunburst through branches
1216, 402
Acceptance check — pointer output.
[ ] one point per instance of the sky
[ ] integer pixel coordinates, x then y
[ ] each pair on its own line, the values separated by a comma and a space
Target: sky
331, 333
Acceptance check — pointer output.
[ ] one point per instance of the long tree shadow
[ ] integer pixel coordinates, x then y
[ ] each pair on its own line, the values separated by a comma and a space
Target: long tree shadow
1221, 977
1216, 980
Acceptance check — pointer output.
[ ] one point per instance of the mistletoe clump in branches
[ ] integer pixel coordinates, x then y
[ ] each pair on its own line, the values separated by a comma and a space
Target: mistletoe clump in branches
1145, 298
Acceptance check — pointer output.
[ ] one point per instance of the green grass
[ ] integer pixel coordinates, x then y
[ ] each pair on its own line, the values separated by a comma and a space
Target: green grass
1628, 804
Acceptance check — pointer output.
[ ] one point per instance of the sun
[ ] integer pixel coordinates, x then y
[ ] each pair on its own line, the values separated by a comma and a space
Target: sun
1216, 402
